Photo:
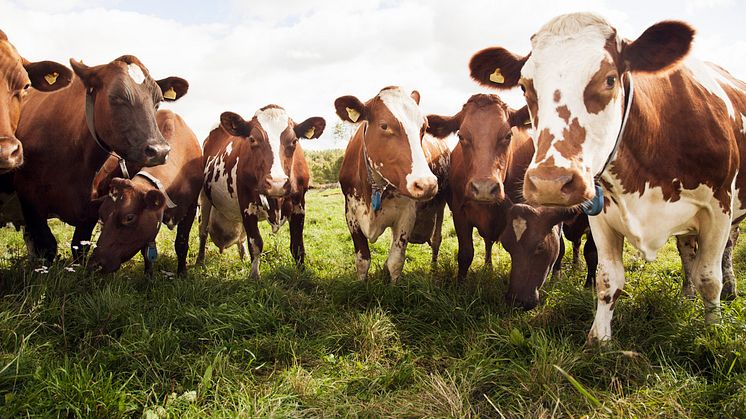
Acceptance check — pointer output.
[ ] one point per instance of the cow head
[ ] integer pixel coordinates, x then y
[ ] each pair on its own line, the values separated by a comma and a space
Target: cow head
531, 237
484, 128
126, 99
393, 131
572, 81
17, 77
273, 137
131, 216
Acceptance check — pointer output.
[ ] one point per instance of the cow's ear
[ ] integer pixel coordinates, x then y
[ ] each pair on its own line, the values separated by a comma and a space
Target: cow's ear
496, 67
519, 118
234, 125
350, 109
556, 215
86, 74
310, 128
173, 88
443, 126
48, 76
661, 47
415, 95
154, 200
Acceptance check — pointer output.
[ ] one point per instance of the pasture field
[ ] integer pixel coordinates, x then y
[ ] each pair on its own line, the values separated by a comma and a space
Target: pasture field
319, 343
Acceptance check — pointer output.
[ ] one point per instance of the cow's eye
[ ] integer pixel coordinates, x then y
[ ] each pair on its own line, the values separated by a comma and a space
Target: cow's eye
523, 89
27, 86
384, 126
610, 82
129, 219
508, 136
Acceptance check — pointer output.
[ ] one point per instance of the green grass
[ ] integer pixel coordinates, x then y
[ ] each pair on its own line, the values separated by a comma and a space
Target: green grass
320, 343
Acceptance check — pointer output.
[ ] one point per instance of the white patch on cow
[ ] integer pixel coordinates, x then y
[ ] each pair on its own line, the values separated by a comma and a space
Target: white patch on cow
275, 121
394, 211
519, 227
362, 266
412, 119
743, 124
708, 78
136, 73
566, 53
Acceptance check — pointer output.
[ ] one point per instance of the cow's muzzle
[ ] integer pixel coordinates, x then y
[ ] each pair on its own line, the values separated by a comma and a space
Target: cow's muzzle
556, 186
11, 154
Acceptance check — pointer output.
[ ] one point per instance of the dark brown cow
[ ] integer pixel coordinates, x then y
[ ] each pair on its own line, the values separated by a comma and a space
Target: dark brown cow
574, 230
661, 174
386, 175
62, 155
133, 210
487, 167
255, 170
17, 76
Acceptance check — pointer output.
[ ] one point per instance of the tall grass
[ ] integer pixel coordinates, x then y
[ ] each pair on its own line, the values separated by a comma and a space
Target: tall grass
319, 343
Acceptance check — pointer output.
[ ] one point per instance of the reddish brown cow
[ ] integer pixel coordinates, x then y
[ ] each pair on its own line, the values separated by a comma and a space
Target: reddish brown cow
608, 115
17, 76
255, 170
387, 176
487, 166
67, 135
133, 210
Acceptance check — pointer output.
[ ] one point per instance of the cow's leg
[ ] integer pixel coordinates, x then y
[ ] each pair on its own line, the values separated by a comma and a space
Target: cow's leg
576, 251
40, 242
465, 245
146, 262
557, 267
81, 242
590, 253
204, 223
437, 237
609, 279
359, 241
241, 246
487, 252
687, 247
398, 250
729, 278
297, 220
181, 246
256, 244
707, 271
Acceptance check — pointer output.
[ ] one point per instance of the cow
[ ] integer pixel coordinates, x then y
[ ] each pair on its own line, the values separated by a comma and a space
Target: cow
255, 170
67, 135
133, 210
386, 176
608, 116
574, 229
484, 192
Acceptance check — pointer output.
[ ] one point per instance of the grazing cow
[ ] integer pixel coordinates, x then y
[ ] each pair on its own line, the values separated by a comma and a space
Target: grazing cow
485, 177
134, 209
574, 230
255, 170
386, 175
608, 113
67, 135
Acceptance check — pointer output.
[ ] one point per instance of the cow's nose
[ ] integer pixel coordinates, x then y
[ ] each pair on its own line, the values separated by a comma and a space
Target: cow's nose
522, 303
156, 154
11, 153
563, 187
277, 187
424, 187
486, 190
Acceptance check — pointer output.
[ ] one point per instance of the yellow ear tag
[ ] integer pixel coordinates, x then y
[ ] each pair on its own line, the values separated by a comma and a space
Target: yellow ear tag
353, 114
310, 132
497, 77
51, 78
170, 94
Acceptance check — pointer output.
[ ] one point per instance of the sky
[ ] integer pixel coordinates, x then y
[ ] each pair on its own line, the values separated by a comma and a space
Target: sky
301, 54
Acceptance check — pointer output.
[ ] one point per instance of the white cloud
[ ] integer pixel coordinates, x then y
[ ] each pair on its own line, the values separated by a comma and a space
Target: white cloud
302, 55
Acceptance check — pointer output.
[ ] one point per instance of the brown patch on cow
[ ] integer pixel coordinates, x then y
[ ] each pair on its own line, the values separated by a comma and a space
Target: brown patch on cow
573, 138
531, 101
597, 95
557, 96
614, 299
544, 141
564, 113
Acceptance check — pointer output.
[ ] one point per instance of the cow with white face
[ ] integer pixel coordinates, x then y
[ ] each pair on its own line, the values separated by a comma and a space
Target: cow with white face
656, 132
387, 174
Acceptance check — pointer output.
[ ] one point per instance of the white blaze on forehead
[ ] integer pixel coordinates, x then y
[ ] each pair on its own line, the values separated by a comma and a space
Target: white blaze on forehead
519, 227
412, 119
274, 121
136, 73
567, 52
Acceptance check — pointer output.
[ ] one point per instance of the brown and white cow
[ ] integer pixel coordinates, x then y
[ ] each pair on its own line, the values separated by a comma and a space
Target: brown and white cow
133, 210
63, 152
17, 76
673, 168
484, 192
386, 174
255, 170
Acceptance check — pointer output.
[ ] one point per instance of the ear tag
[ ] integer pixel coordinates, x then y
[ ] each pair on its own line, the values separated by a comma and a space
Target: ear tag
310, 132
170, 94
497, 77
151, 252
595, 205
353, 114
51, 78
375, 200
